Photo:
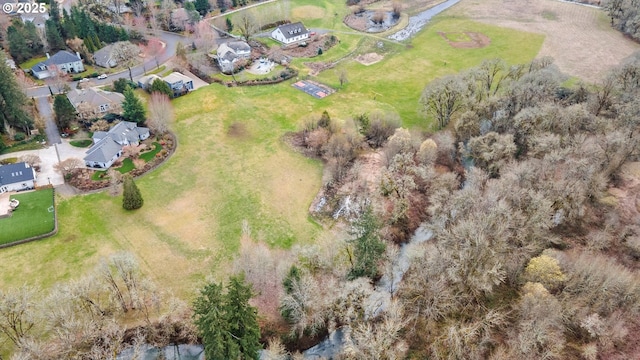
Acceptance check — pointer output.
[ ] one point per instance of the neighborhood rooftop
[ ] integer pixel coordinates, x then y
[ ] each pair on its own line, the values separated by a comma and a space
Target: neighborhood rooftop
292, 30
13, 173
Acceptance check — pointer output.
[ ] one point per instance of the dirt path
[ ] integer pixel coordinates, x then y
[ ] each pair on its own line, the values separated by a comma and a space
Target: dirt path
579, 38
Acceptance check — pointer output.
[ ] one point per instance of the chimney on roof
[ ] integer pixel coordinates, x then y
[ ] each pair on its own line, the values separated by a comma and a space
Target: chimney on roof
78, 55
48, 55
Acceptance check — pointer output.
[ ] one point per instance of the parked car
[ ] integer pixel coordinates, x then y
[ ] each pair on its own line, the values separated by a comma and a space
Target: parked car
102, 77
83, 80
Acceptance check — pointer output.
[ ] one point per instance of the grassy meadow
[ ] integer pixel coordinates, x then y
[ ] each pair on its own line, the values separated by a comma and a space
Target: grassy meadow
231, 166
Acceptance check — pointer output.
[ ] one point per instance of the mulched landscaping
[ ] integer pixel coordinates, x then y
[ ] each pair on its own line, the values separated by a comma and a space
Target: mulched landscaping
89, 180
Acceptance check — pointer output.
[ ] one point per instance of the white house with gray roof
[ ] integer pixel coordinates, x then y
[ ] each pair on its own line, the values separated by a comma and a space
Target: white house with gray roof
64, 61
17, 177
229, 53
107, 145
290, 33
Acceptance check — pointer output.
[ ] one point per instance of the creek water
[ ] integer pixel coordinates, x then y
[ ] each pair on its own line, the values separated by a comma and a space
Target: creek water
417, 22
334, 343
171, 352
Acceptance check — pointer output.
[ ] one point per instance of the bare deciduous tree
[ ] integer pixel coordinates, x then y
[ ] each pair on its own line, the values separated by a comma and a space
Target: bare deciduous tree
125, 54
67, 166
17, 313
444, 97
247, 24
160, 113
33, 160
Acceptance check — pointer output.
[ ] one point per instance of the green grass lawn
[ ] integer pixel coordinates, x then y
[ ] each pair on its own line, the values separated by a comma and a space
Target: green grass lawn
81, 143
98, 175
31, 218
149, 155
195, 204
156, 70
31, 63
127, 165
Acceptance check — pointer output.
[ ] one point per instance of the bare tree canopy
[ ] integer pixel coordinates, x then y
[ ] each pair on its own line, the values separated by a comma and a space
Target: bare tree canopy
160, 113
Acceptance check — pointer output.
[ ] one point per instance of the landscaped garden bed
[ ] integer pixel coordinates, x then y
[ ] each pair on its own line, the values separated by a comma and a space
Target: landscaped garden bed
132, 162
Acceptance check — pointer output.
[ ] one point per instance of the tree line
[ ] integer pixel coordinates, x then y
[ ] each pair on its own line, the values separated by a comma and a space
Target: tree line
625, 16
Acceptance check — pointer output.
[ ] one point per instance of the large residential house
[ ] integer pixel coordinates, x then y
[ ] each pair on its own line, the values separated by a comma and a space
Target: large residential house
290, 33
179, 84
62, 61
17, 177
229, 53
107, 145
92, 103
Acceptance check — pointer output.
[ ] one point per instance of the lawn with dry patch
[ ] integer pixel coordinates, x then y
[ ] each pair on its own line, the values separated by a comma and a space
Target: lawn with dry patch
579, 38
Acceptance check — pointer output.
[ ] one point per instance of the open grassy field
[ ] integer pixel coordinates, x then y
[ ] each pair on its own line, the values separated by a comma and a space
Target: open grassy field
31, 218
579, 38
232, 168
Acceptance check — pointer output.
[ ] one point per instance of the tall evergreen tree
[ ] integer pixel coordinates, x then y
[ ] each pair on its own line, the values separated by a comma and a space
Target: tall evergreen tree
203, 7
12, 100
210, 318
131, 197
52, 31
227, 322
64, 111
132, 109
17, 43
162, 87
367, 246
33, 38
68, 26
242, 319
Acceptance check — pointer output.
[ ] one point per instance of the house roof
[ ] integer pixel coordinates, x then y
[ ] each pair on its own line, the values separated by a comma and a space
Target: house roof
13, 173
148, 79
108, 143
238, 46
126, 130
293, 30
93, 97
229, 51
103, 151
103, 56
62, 57
59, 58
174, 77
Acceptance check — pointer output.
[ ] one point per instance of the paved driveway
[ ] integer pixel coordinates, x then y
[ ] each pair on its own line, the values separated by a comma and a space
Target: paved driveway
53, 135
49, 158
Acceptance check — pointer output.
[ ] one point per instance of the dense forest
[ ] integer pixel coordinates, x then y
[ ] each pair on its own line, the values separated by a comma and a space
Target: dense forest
530, 256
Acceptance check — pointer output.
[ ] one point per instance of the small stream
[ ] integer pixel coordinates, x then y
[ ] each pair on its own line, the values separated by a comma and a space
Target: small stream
333, 344
417, 22
171, 352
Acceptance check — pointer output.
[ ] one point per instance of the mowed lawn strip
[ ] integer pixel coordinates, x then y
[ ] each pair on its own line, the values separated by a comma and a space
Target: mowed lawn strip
232, 171
32, 217
149, 155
